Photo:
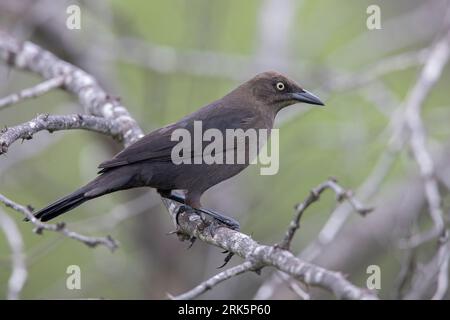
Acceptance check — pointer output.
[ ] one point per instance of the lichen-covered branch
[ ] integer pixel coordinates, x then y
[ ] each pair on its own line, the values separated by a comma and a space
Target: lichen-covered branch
192, 225
95, 100
50, 123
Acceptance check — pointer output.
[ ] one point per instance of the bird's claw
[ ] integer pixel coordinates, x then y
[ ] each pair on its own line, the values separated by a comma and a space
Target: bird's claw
227, 259
192, 241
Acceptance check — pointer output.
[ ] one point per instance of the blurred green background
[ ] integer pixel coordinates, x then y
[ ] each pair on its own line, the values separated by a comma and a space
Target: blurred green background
165, 59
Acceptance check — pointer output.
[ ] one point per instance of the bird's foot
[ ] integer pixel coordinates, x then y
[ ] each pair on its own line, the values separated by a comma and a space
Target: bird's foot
228, 221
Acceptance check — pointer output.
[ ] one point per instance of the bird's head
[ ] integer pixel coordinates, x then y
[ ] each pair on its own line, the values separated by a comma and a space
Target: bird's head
277, 91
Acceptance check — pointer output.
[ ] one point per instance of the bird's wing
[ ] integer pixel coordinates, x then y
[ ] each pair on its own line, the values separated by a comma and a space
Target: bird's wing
154, 146
157, 145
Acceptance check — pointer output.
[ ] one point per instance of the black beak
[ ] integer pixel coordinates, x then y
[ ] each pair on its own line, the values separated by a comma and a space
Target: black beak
307, 97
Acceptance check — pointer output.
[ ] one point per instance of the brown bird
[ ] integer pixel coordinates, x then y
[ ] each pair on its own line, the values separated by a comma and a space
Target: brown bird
148, 162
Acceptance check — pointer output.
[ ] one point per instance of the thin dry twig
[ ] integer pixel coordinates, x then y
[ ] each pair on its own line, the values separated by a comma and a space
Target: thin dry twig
33, 92
314, 195
433, 273
215, 280
61, 228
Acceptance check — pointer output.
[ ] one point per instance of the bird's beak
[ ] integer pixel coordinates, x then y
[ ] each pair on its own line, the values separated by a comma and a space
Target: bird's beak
307, 97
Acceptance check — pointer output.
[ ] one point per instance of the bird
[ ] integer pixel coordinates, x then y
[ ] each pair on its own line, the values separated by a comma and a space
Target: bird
148, 162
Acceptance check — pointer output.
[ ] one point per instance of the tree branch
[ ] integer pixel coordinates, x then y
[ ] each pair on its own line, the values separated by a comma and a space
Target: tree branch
61, 228
19, 271
52, 123
215, 280
314, 196
29, 56
32, 92
429, 76
191, 225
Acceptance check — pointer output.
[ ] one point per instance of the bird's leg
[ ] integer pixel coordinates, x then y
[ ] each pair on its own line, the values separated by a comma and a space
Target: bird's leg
228, 221
175, 197
233, 224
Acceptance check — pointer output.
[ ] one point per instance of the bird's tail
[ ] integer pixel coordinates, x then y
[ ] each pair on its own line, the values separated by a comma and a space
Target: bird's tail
106, 183
61, 206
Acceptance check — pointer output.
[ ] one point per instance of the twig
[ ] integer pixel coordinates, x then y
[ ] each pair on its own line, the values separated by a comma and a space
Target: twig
432, 273
19, 269
32, 92
215, 280
407, 269
313, 196
299, 291
375, 71
61, 228
52, 123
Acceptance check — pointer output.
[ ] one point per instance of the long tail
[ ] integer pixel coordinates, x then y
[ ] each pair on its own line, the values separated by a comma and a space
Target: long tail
106, 183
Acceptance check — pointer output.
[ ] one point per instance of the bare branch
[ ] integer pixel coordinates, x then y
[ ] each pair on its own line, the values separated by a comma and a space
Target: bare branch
435, 272
52, 123
215, 280
32, 92
29, 56
92, 242
299, 291
191, 225
382, 67
314, 196
19, 269
429, 76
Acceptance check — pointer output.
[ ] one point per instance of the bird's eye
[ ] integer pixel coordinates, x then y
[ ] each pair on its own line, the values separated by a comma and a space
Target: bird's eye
280, 86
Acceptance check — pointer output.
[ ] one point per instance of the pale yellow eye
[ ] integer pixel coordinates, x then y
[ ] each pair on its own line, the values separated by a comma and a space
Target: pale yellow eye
280, 86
